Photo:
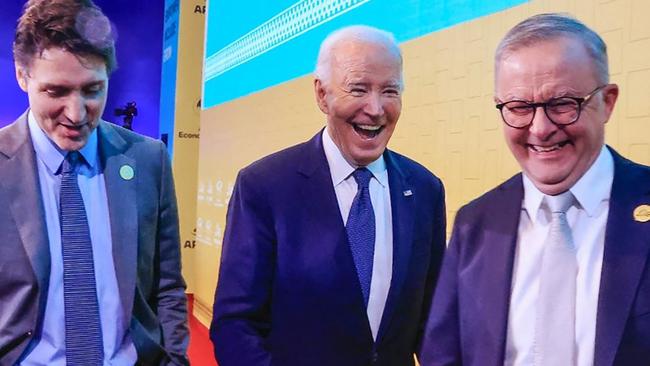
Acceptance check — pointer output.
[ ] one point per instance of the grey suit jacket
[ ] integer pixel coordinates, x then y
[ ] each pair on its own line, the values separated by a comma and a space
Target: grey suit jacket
146, 251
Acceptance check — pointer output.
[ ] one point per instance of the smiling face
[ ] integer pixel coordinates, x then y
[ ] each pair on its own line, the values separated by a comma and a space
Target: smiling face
361, 98
554, 157
67, 95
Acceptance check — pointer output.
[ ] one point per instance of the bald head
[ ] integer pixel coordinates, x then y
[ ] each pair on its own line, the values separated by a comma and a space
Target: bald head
346, 37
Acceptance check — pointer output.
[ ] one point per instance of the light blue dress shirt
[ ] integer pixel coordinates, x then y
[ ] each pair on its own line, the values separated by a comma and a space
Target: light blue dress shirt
49, 347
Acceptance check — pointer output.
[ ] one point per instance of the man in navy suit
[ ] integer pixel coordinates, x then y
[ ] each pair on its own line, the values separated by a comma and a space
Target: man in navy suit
527, 283
316, 268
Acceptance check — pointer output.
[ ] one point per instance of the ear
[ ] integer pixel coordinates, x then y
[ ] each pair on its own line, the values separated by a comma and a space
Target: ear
321, 95
21, 76
610, 95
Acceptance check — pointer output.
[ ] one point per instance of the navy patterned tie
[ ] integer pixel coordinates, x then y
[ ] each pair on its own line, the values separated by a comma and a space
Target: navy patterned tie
361, 230
83, 336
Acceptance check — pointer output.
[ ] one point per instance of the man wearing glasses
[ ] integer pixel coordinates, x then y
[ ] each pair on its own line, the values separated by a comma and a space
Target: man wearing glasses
551, 267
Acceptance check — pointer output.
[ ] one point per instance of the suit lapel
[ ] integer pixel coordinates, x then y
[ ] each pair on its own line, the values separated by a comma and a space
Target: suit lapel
625, 255
21, 185
499, 239
121, 196
323, 217
403, 211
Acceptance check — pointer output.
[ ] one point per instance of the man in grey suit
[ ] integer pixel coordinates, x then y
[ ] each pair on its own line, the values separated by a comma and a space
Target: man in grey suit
89, 256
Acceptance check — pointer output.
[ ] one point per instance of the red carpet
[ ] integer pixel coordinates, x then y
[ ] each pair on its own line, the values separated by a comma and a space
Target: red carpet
200, 351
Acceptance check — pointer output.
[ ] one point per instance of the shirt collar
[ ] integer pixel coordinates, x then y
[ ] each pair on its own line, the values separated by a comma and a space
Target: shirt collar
51, 154
340, 169
595, 185
590, 190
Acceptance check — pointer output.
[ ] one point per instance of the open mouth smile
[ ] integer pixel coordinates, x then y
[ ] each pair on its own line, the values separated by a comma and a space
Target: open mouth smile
367, 131
548, 149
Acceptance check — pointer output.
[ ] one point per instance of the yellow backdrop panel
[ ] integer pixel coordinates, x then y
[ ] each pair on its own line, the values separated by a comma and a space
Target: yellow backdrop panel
448, 122
186, 129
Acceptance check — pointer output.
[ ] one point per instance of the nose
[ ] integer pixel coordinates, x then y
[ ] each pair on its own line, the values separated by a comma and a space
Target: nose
374, 105
75, 109
542, 127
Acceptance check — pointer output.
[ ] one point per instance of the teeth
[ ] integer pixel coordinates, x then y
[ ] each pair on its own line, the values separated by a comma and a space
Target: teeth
546, 148
369, 127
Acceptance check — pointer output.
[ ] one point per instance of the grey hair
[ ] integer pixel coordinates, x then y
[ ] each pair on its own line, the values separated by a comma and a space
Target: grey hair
356, 33
550, 26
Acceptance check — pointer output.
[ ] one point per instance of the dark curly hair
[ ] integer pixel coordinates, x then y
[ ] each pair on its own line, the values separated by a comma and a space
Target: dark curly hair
77, 26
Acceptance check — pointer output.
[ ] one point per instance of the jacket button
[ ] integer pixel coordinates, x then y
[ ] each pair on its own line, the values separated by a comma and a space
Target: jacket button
375, 357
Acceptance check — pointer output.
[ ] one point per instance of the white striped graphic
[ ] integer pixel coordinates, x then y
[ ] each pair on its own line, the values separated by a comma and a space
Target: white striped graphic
283, 27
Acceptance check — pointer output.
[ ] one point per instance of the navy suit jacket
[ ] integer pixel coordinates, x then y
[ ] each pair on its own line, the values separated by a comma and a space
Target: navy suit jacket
144, 230
468, 321
288, 292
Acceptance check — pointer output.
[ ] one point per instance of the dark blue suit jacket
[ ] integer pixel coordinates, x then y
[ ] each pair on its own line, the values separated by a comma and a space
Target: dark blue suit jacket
288, 292
469, 314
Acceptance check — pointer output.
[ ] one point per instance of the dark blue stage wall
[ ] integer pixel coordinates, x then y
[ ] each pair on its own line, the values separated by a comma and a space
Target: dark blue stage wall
139, 25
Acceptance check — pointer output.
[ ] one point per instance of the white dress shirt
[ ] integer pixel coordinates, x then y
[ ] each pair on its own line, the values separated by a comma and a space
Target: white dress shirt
346, 188
587, 218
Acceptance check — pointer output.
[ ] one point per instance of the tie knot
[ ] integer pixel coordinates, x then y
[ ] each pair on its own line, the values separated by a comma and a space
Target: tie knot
362, 177
560, 202
71, 162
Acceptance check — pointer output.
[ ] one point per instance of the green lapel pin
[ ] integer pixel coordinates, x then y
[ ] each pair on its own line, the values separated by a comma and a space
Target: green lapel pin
127, 172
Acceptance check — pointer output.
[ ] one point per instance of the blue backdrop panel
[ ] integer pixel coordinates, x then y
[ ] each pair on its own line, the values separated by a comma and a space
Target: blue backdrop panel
275, 41
139, 25
168, 76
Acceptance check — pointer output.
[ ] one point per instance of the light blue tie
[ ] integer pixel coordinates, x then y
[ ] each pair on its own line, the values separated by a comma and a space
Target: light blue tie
555, 324
361, 230
83, 335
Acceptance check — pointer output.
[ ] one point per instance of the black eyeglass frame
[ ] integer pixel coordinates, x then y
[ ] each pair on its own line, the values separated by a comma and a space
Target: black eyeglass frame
579, 100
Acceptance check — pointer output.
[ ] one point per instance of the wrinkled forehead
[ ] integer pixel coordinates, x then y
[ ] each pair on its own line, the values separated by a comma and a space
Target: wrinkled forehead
367, 50
566, 50
356, 59
559, 58
63, 57
60, 67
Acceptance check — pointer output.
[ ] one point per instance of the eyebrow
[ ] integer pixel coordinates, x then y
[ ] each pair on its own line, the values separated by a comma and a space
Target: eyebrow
391, 84
357, 83
67, 86
566, 93
95, 83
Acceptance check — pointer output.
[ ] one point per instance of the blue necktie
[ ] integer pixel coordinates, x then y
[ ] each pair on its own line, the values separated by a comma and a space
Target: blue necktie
361, 230
83, 336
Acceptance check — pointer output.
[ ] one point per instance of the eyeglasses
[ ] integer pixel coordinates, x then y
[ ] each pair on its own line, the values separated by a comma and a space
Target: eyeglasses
561, 111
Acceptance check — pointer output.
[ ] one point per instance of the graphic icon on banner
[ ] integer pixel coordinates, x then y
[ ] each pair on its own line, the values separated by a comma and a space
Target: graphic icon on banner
219, 199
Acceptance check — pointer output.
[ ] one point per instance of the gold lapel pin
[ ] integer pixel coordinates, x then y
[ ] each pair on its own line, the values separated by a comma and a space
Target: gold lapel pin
642, 213
127, 172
